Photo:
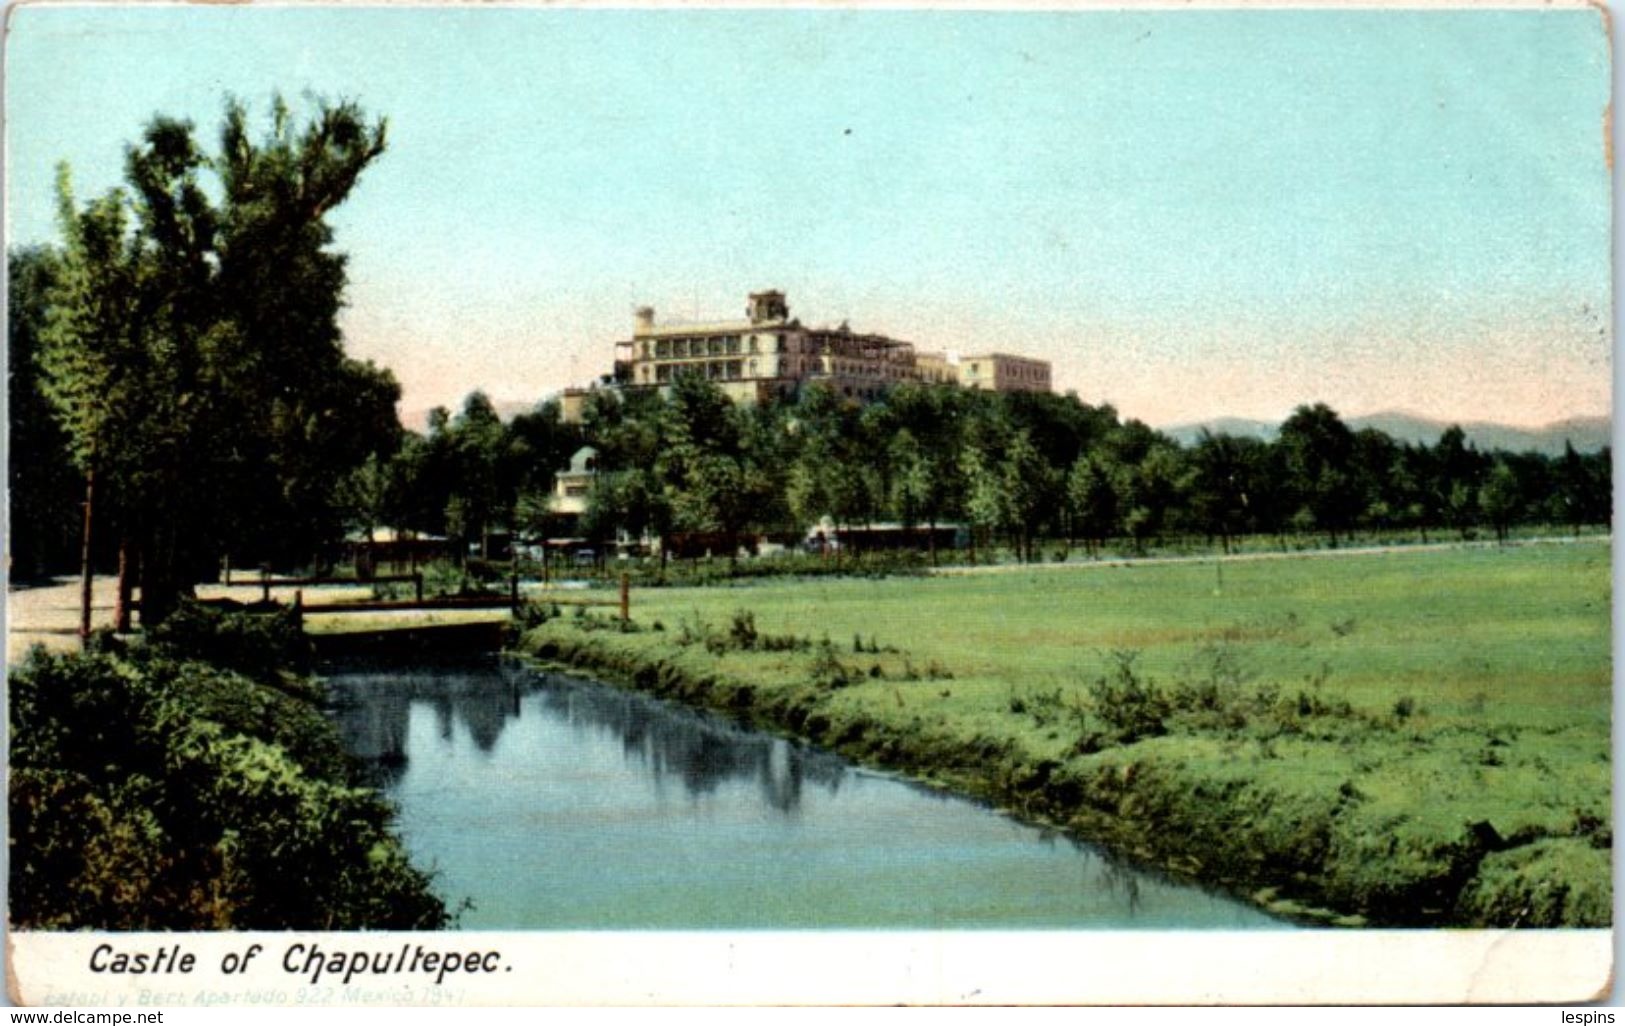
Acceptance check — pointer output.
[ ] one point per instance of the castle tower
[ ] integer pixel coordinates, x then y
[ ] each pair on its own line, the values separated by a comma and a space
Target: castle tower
767, 307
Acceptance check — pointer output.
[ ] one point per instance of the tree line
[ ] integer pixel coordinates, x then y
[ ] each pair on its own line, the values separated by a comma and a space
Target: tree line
1015, 469
177, 371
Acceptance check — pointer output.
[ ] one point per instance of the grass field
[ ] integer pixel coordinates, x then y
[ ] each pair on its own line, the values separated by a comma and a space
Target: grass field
1409, 737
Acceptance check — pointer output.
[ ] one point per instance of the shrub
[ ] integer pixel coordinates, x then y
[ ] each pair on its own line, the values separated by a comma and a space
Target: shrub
155, 793
1132, 707
827, 669
263, 646
532, 613
742, 631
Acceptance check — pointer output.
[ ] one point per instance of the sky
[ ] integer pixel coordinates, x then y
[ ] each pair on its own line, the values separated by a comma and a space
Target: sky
1191, 214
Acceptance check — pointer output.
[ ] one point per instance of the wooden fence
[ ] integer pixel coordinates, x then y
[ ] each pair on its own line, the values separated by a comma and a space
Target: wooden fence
510, 601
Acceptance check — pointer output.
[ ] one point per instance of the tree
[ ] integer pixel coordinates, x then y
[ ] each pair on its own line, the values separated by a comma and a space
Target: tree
97, 372
715, 484
1226, 475
477, 500
926, 454
1583, 487
1458, 469
193, 354
629, 492
1319, 450
1091, 503
1152, 492
538, 445
1030, 486
1375, 464
824, 477
1500, 499
367, 494
45, 490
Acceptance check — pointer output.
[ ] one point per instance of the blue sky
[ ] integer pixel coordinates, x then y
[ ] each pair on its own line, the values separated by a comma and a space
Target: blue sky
1192, 214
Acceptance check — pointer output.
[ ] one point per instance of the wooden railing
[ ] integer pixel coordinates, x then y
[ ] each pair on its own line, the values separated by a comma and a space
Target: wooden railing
510, 601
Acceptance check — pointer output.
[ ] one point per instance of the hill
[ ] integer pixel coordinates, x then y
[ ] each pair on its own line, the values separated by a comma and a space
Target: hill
1588, 434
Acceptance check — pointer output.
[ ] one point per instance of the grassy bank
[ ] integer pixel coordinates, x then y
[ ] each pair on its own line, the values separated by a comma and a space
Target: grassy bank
1411, 738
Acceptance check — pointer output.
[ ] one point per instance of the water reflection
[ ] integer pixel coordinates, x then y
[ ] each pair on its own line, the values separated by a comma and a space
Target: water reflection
373, 707
697, 751
554, 802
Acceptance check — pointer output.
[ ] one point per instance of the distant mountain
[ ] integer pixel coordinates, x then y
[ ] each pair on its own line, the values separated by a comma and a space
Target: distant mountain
1236, 427
1588, 434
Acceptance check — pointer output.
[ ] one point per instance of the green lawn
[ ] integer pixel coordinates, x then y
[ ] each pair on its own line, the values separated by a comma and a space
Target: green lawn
1425, 729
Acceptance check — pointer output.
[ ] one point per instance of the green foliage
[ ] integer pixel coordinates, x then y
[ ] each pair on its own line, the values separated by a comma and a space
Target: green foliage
532, 613
742, 631
268, 647
153, 792
1550, 883
1016, 469
740, 635
827, 670
43, 529
191, 352
1132, 707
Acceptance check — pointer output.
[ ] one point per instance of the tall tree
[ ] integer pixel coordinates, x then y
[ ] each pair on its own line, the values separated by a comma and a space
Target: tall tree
1584, 485
98, 370
1091, 503
927, 484
824, 478
1319, 450
193, 353
45, 491
1227, 473
715, 484
630, 492
1500, 499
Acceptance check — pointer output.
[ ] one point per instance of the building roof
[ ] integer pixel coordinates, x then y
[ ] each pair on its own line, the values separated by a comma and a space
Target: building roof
1002, 356
584, 455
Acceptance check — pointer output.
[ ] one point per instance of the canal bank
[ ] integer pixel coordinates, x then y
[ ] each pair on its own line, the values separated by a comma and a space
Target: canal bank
1219, 810
554, 802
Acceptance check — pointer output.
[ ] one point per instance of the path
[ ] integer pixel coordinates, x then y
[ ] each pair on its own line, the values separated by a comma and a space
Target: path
1247, 557
48, 614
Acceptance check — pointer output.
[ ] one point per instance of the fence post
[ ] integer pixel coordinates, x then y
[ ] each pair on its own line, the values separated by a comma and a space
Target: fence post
417, 583
299, 608
626, 597
513, 590
265, 584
